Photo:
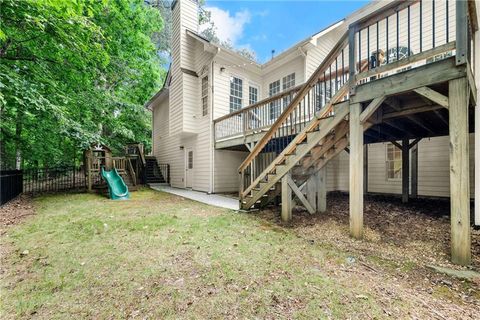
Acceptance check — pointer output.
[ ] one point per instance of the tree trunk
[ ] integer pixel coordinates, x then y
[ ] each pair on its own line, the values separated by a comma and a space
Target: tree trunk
18, 139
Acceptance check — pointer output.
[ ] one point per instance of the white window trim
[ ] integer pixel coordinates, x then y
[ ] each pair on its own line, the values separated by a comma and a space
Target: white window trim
242, 105
256, 86
207, 94
387, 178
279, 106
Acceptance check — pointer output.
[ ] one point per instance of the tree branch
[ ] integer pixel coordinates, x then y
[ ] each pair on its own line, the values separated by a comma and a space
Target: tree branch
33, 58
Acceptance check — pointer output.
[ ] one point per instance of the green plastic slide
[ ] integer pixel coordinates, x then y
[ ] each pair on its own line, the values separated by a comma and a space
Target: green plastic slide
117, 188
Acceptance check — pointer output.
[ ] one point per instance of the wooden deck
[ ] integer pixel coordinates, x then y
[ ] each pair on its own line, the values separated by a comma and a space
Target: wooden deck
428, 94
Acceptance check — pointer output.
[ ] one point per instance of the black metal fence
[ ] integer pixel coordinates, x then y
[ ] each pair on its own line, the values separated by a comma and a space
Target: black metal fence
11, 184
40, 180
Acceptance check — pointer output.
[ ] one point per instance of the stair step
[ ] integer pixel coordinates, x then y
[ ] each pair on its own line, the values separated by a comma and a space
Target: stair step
313, 135
301, 148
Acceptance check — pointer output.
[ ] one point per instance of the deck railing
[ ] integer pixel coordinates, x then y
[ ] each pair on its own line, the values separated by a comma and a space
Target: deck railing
402, 36
255, 118
399, 36
326, 86
407, 34
135, 154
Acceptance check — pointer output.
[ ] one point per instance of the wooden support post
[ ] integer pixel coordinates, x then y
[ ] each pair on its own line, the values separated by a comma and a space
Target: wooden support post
365, 169
477, 131
459, 171
461, 28
286, 199
311, 186
321, 178
405, 169
414, 172
352, 59
356, 172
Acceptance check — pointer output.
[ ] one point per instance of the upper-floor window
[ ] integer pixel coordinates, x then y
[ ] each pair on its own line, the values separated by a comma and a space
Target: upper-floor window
236, 94
205, 96
252, 95
394, 162
275, 106
288, 82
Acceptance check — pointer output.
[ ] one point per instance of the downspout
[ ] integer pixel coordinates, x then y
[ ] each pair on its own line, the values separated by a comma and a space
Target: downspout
212, 127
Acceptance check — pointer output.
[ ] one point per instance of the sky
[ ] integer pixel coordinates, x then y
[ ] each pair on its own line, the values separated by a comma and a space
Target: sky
267, 25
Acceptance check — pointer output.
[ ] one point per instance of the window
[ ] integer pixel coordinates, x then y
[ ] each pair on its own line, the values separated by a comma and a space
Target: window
252, 95
288, 82
275, 107
205, 96
235, 94
190, 159
394, 162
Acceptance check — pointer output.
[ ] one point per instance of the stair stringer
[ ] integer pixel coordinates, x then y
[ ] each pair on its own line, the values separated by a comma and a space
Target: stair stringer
282, 166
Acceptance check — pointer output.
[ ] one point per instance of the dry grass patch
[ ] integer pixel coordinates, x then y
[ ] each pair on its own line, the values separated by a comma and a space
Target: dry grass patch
162, 256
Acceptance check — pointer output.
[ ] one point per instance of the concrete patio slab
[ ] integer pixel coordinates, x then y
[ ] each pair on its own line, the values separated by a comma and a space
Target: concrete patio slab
211, 199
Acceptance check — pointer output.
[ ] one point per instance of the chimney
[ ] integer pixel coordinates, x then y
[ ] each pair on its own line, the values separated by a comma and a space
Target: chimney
184, 17
182, 106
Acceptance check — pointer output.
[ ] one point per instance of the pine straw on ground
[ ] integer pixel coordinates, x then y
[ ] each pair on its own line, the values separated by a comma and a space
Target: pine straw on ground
401, 243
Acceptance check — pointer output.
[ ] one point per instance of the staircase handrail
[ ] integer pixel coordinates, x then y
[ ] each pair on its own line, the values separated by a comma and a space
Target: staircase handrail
312, 81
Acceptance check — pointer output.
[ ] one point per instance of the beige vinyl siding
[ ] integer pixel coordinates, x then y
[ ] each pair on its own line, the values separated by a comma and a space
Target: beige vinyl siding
202, 147
296, 65
185, 16
176, 88
222, 85
189, 21
166, 148
226, 170
433, 169
201, 142
323, 47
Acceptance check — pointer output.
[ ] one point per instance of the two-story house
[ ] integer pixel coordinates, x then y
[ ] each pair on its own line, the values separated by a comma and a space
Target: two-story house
381, 101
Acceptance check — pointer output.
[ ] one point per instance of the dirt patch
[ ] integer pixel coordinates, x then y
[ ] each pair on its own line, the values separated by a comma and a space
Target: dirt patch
400, 242
419, 230
15, 211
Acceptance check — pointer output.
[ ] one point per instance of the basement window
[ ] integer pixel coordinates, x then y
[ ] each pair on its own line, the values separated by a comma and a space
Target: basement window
394, 162
205, 96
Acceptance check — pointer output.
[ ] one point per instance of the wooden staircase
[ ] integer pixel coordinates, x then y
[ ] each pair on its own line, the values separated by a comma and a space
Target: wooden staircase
322, 139
314, 139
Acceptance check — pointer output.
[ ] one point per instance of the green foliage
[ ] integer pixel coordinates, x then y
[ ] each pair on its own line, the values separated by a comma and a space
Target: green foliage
73, 73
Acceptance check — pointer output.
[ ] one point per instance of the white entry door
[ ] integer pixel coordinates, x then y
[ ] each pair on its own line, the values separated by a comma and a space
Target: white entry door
189, 168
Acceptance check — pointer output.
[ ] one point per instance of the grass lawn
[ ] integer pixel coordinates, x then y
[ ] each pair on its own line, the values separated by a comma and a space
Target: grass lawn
162, 256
